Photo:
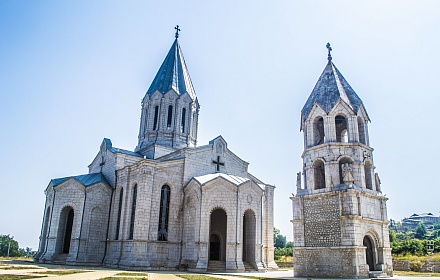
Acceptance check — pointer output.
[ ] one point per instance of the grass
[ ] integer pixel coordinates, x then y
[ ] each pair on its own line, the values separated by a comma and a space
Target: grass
132, 274
17, 277
61, 272
417, 274
197, 277
120, 278
18, 267
432, 257
249, 277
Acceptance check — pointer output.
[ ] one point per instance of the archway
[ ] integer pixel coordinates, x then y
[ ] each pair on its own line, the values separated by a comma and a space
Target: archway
217, 235
369, 252
214, 247
249, 236
65, 227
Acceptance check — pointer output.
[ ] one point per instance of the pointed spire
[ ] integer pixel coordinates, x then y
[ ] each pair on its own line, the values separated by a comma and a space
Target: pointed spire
173, 73
331, 87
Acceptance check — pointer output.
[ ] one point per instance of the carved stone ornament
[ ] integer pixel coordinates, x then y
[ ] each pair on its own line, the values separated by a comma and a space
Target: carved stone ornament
249, 198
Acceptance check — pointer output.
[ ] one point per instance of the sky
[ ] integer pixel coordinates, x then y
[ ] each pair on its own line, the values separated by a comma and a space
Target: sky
74, 72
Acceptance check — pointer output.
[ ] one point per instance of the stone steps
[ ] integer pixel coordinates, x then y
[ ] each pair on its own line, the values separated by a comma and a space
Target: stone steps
216, 266
248, 267
377, 275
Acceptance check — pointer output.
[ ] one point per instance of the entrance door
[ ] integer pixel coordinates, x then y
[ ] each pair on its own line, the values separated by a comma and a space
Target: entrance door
214, 247
68, 232
217, 235
369, 253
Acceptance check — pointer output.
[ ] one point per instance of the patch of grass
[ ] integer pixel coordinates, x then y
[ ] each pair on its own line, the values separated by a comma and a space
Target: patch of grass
18, 267
197, 277
120, 278
432, 257
249, 277
418, 274
17, 277
61, 272
132, 274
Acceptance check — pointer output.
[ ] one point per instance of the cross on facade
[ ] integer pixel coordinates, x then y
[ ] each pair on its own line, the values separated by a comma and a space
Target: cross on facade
177, 31
329, 50
218, 163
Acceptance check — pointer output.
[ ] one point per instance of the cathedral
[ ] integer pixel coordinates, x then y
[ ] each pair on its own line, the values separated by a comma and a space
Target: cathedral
169, 203
340, 222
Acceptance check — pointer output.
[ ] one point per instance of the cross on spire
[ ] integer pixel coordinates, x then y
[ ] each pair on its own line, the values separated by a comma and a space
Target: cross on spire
177, 31
329, 50
218, 163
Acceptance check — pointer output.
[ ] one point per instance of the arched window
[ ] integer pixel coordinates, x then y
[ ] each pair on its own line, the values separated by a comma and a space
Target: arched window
118, 220
319, 174
368, 176
182, 125
341, 126
170, 116
164, 213
133, 212
156, 117
318, 131
361, 130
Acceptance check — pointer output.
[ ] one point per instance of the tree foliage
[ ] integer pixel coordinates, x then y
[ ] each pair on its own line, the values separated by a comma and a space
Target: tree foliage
7, 243
279, 240
420, 231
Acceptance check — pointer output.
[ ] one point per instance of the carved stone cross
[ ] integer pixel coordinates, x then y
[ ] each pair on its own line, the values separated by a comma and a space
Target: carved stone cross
218, 163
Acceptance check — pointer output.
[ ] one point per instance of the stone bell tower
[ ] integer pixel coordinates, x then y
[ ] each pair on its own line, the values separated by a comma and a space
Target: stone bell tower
170, 108
340, 222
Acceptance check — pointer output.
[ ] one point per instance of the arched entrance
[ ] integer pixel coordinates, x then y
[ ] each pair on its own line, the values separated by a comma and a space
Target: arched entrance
217, 235
214, 247
249, 236
369, 252
65, 227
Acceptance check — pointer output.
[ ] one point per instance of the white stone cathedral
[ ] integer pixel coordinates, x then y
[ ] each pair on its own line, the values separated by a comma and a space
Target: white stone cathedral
340, 222
169, 204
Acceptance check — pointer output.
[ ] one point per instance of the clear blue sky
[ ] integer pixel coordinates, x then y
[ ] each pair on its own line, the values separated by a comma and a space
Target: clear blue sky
74, 72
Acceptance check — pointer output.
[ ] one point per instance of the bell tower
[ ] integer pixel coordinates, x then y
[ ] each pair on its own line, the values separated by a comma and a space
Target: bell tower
340, 222
170, 108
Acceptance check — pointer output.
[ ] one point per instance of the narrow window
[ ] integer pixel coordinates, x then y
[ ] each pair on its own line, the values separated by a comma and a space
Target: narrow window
318, 131
361, 130
118, 221
133, 212
341, 125
319, 174
182, 126
368, 180
156, 117
170, 116
163, 214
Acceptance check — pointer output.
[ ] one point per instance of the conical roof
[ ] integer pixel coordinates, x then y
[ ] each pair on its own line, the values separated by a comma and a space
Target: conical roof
173, 74
331, 87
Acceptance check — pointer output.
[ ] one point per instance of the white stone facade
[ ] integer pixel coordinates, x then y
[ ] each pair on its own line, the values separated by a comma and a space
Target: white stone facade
340, 222
167, 205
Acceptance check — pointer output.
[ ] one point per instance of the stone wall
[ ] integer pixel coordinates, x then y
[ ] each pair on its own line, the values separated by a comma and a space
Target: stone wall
427, 266
321, 221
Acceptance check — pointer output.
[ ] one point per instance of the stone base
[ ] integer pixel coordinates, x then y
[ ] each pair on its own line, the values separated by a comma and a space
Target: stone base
330, 262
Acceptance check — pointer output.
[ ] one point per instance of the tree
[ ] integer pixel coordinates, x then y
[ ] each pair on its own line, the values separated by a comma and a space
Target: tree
393, 236
8, 246
420, 231
289, 244
279, 240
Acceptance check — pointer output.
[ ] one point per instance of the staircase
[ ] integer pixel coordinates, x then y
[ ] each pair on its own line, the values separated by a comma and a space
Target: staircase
217, 266
377, 275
